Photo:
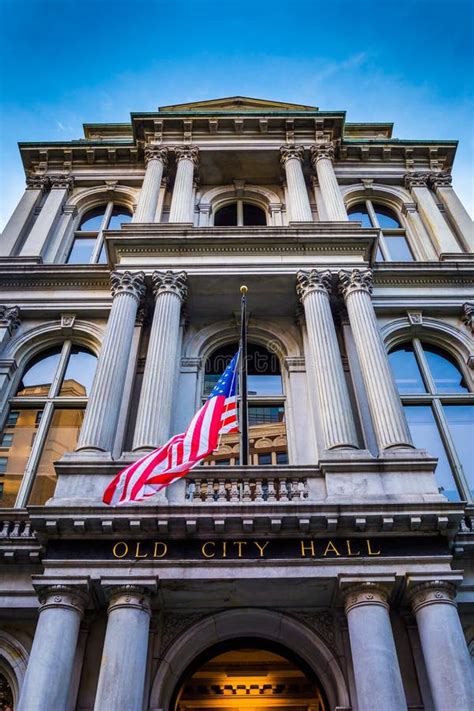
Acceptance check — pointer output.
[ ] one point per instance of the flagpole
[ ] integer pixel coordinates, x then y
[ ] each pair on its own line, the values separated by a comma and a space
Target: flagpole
244, 420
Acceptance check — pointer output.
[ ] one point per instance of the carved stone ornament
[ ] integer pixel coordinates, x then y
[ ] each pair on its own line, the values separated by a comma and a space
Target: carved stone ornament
37, 182
322, 151
132, 283
68, 320
432, 592
128, 596
313, 280
156, 153
61, 182
187, 153
63, 596
9, 316
170, 283
416, 180
468, 315
415, 318
442, 179
360, 594
291, 151
357, 279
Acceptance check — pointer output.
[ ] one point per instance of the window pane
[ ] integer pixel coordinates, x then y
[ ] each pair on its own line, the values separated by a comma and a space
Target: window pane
426, 435
264, 377
266, 415
264, 458
359, 213
461, 426
62, 437
39, 374
379, 256
398, 248
444, 371
79, 373
254, 215
119, 216
282, 457
81, 251
226, 216
92, 220
102, 254
13, 465
406, 371
386, 217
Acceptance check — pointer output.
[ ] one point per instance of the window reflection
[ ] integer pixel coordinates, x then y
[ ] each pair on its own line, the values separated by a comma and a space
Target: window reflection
79, 373
38, 376
461, 426
15, 459
444, 371
406, 370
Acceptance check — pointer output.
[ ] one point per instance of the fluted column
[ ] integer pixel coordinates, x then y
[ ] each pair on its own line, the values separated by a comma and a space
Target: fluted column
313, 288
37, 241
156, 159
15, 228
292, 161
48, 675
181, 200
441, 183
447, 659
155, 407
124, 657
390, 426
439, 230
322, 157
374, 658
102, 412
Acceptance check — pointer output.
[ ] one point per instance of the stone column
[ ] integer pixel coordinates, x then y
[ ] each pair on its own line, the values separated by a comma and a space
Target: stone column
9, 321
187, 159
124, 658
15, 228
152, 428
322, 156
292, 160
37, 241
103, 408
335, 409
447, 659
442, 236
156, 159
441, 184
374, 658
48, 676
390, 426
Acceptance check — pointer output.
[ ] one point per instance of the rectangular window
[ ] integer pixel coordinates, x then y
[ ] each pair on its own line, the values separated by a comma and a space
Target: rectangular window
282, 457
12, 418
461, 426
264, 458
6, 439
3, 465
13, 466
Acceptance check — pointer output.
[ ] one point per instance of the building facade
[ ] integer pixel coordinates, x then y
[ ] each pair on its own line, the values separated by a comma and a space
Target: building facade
335, 571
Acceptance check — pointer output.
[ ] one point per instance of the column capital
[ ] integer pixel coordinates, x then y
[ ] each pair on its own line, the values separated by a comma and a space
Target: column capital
289, 151
468, 315
416, 180
355, 280
431, 592
37, 182
9, 317
128, 596
313, 280
156, 153
320, 151
440, 180
65, 596
170, 282
368, 593
132, 283
187, 153
61, 182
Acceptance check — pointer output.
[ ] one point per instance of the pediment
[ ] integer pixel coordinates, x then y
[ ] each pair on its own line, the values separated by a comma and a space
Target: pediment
238, 103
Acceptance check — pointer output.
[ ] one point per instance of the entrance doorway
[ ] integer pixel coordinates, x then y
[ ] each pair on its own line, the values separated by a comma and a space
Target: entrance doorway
244, 676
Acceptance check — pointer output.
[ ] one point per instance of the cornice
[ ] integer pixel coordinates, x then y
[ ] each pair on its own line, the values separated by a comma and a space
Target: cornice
54, 276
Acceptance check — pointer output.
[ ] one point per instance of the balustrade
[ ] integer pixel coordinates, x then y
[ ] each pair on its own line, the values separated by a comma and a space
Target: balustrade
211, 489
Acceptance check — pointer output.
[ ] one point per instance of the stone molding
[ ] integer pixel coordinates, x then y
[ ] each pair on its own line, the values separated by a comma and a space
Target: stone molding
432, 592
156, 153
129, 597
359, 594
187, 153
170, 282
61, 182
355, 280
288, 152
322, 151
313, 280
416, 180
131, 283
37, 182
65, 596
468, 315
9, 317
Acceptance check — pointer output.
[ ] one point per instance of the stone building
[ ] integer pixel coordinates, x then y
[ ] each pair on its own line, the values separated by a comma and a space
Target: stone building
336, 570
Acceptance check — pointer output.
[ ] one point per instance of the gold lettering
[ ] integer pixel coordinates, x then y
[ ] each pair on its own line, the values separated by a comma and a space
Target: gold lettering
369, 549
309, 548
204, 549
137, 551
224, 549
163, 552
349, 551
114, 550
261, 548
331, 548
239, 545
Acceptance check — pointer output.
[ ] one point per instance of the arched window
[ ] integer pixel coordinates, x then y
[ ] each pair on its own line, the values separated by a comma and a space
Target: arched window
240, 214
267, 428
393, 245
88, 246
43, 422
440, 411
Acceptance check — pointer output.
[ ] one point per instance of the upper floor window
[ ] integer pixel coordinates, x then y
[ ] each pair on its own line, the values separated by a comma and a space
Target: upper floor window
43, 422
393, 245
240, 214
439, 407
88, 246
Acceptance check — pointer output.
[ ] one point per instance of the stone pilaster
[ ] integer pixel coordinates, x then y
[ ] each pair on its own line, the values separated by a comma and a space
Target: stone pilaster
48, 675
16, 226
155, 407
9, 321
376, 671
292, 160
442, 236
102, 412
187, 159
447, 659
124, 657
37, 241
156, 159
390, 426
322, 157
441, 184
335, 410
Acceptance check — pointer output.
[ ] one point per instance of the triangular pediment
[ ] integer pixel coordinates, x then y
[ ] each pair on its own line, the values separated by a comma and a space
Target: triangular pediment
238, 103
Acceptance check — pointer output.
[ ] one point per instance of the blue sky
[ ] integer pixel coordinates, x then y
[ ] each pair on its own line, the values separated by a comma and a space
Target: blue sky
65, 62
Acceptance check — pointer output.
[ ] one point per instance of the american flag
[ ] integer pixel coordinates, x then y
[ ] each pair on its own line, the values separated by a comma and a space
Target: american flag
148, 475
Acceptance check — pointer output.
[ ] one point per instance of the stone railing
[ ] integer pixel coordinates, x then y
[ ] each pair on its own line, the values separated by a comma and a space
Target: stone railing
241, 490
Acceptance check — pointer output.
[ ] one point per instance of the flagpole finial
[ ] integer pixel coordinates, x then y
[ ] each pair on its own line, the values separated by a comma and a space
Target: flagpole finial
243, 289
